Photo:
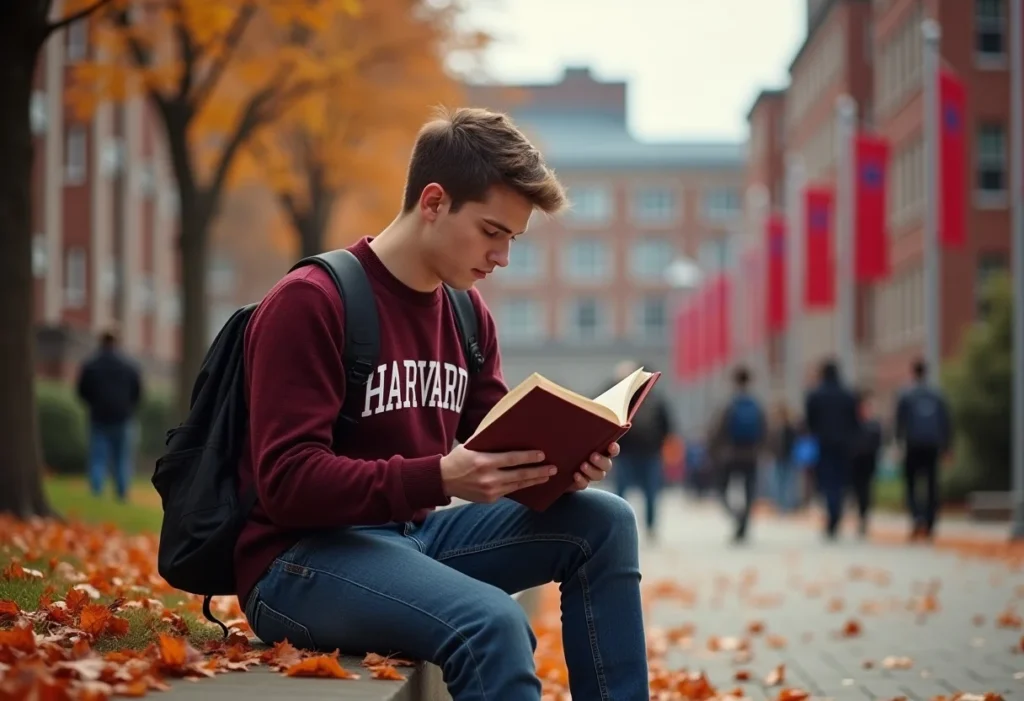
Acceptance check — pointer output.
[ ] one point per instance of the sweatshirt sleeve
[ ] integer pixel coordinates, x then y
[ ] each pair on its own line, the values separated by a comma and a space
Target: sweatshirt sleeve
488, 386
293, 353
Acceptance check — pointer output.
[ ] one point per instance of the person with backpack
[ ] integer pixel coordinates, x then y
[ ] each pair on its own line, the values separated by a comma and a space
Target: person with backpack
640, 462
831, 414
362, 373
736, 442
924, 429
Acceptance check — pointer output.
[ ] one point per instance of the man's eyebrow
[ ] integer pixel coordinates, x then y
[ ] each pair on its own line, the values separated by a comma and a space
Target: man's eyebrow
497, 225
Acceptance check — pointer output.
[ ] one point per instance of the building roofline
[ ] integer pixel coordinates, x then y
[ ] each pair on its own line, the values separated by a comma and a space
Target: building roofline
765, 94
814, 24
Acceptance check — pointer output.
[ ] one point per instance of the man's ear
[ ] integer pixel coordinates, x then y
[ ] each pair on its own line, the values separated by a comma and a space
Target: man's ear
432, 201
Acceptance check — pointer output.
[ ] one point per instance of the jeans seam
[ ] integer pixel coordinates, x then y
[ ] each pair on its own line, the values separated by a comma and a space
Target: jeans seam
465, 641
595, 651
533, 538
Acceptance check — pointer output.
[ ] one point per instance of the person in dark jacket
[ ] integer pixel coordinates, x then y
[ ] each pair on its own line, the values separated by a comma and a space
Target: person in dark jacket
640, 461
831, 415
924, 428
110, 385
865, 458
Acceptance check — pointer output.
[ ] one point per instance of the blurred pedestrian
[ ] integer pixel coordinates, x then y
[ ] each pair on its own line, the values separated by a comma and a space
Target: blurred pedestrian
924, 429
639, 463
831, 415
784, 471
866, 454
110, 385
736, 441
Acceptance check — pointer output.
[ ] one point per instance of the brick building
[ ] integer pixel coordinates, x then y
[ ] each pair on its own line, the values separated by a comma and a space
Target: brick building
104, 222
872, 51
587, 288
974, 45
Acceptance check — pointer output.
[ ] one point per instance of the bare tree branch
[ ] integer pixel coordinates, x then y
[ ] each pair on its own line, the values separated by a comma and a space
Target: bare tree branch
74, 17
188, 53
232, 39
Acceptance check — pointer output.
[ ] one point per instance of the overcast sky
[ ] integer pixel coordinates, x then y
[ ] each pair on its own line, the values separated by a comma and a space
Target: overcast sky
693, 66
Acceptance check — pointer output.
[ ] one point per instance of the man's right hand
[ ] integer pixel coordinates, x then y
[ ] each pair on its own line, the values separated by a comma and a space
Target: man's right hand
486, 477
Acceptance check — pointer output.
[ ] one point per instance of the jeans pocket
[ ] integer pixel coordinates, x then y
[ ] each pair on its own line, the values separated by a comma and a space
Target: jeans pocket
272, 627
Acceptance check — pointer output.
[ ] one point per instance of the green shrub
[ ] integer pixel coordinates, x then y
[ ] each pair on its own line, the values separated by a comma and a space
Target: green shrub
979, 386
63, 431
154, 421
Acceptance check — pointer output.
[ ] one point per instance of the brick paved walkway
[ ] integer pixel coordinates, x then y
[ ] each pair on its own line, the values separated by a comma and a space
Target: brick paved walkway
806, 590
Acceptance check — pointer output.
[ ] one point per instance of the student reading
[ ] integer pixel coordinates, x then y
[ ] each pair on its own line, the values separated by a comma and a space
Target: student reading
345, 548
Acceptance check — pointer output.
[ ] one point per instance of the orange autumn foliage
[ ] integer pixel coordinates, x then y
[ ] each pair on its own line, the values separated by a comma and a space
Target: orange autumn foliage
347, 147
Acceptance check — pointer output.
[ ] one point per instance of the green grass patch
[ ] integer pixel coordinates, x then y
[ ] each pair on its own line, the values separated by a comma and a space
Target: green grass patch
71, 497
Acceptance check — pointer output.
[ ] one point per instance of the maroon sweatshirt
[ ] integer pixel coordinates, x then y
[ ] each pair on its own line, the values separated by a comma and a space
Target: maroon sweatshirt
418, 401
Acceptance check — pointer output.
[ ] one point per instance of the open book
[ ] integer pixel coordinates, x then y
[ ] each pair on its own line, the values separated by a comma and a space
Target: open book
539, 414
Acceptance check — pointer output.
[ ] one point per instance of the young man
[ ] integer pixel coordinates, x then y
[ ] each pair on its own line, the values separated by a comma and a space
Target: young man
924, 427
737, 439
344, 548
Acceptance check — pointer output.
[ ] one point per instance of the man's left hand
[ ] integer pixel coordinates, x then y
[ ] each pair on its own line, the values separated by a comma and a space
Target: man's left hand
595, 470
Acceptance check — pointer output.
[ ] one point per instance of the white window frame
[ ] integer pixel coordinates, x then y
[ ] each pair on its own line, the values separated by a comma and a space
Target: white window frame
650, 333
598, 264
574, 332
590, 204
525, 261
649, 258
521, 321
716, 197
76, 277
991, 160
987, 23
655, 204
76, 154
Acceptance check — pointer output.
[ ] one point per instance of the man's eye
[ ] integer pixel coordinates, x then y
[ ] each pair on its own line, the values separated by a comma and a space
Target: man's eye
492, 234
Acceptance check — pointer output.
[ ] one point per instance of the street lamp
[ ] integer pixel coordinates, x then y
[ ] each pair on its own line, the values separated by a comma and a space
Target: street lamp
684, 275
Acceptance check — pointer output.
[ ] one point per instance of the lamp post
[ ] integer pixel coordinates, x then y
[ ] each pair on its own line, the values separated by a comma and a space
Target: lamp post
684, 275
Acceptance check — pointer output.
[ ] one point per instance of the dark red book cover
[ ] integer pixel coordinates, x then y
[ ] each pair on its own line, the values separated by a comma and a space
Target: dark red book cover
567, 434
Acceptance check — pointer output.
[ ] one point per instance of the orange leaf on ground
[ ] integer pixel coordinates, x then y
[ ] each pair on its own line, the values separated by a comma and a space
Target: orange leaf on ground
319, 666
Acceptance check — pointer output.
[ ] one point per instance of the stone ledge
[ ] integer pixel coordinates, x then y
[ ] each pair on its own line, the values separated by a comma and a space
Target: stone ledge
423, 682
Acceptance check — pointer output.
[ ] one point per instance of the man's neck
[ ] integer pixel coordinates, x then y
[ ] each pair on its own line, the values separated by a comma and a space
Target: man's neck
398, 247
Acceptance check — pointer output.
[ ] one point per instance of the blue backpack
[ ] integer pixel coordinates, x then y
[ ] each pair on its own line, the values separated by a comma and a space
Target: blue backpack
745, 422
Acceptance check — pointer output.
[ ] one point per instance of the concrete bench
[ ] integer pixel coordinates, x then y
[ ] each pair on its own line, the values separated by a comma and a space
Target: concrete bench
423, 682
990, 506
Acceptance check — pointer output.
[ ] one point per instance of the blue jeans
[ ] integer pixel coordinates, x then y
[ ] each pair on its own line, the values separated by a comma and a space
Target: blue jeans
110, 446
785, 485
644, 472
440, 591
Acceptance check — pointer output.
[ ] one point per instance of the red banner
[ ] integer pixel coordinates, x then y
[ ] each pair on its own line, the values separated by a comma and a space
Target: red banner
775, 297
819, 262
871, 236
954, 184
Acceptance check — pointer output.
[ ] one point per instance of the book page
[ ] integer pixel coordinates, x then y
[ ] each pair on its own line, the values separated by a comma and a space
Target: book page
617, 398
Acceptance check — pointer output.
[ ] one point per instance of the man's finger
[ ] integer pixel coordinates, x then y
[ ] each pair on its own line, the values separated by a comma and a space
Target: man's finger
592, 473
517, 457
528, 474
523, 484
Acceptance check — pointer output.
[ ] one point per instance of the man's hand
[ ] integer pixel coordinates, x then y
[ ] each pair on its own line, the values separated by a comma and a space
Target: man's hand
595, 470
486, 477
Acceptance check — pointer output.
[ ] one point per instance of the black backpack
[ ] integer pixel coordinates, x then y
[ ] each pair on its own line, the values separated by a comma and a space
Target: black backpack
197, 476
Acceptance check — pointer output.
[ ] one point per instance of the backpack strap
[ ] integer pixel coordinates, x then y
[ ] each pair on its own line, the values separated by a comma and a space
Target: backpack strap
362, 327
465, 319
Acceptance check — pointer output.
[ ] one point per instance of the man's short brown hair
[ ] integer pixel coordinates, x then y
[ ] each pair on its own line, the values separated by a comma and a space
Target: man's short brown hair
469, 150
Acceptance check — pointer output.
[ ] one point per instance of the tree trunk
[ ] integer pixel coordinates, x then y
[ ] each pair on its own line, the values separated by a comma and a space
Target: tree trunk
311, 223
195, 223
21, 487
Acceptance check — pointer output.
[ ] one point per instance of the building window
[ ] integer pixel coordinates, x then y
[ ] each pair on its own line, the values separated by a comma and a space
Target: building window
520, 320
586, 320
650, 257
991, 166
654, 205
75, 155
75, 278
990, 28
591, 204
77, 40
722, 203
649, 318
989, 265
524, 261
587, 259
